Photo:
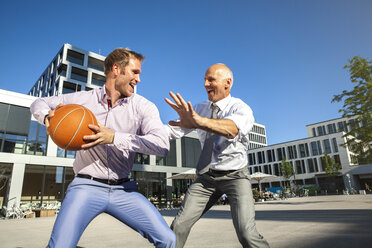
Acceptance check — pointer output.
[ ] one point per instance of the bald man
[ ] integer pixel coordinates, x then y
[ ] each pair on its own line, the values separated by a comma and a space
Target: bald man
223, 123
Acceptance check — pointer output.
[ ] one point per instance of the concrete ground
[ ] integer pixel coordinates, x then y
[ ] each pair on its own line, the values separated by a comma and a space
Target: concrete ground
322, 221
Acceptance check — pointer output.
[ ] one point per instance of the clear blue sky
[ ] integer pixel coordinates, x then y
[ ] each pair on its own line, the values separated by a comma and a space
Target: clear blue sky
287, 56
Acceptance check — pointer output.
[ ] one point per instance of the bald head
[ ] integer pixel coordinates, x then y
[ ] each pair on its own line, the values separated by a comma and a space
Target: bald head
223, 70
218, 81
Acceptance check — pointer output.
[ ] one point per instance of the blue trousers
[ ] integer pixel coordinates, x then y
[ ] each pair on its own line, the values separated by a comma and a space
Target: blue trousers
86, 199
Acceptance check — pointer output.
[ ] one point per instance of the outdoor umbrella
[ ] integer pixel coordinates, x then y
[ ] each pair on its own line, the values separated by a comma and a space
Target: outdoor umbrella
189, 174
259, 176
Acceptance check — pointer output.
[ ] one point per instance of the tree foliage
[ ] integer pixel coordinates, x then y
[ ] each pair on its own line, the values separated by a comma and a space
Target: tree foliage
330, 166
287, 169
358, 105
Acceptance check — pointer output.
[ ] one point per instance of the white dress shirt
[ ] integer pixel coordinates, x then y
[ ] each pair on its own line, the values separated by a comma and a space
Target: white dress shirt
228, 154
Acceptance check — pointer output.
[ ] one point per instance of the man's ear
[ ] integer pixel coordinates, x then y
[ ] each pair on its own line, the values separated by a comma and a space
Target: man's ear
116, 69
228, 83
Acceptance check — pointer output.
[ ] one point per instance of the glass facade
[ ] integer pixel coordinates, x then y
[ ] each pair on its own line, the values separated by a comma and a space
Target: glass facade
191, 150
5, 175
171, 158
151, 184
18, 134
44, 186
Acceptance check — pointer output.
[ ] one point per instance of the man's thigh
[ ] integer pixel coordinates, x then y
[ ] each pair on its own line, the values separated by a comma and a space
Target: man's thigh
136, 211
82, 203
200, 196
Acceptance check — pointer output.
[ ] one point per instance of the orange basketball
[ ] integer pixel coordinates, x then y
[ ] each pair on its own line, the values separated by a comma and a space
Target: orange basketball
69, 125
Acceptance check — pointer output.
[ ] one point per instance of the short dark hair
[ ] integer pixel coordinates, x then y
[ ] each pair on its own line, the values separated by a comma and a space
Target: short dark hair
121, 56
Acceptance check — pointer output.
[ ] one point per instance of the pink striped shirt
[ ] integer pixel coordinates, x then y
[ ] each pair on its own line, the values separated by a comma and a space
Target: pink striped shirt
134, 119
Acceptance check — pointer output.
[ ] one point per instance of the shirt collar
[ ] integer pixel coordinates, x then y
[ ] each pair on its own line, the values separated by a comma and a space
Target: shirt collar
222, 104
103, 96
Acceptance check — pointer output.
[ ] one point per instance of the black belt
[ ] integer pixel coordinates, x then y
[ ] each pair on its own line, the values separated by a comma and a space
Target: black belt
106, 181
220, 173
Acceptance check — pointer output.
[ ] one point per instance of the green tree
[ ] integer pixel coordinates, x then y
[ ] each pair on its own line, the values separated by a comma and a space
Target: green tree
358, 105
287, 169
330, 166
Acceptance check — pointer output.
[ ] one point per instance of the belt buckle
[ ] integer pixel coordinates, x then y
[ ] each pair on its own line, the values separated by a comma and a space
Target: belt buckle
112, 182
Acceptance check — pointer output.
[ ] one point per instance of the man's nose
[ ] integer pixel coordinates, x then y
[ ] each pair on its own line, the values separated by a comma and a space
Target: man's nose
138, 78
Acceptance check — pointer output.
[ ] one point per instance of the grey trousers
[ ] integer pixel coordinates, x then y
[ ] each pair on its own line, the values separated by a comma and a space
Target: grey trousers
204, 193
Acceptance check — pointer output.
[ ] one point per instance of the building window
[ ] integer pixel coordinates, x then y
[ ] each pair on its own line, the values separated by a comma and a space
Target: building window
327, 146
37, 139
321, 130
79, 74
335, 147
276, 170
304, 150
298, 167
98, 80
314, 133
342, 126
75, 57
311, 165
319, 147
251, 159
331, 128
65, 154
171, 158
315, 162
337, 159
140, 158
191, 150
14, 128
45, 185
70, 87
62, 70
95, 64
292, 152
281, 153
261, 157
269, 156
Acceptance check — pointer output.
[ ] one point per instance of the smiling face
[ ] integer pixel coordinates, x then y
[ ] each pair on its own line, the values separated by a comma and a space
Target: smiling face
217, 82
128, 78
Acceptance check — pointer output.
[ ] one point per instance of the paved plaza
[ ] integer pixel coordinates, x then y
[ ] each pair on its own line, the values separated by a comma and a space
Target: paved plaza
322, 221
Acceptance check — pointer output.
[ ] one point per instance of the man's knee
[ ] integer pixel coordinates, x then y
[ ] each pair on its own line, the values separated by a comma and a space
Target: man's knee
252, 239
167, 240
178, 227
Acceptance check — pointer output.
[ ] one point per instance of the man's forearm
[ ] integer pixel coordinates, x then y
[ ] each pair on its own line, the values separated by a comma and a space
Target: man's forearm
223, 127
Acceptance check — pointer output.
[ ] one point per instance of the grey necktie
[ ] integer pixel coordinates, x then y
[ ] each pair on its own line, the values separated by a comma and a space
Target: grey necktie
206, 153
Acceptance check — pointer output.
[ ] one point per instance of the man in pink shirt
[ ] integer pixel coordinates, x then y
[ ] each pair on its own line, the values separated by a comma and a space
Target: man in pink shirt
128, 123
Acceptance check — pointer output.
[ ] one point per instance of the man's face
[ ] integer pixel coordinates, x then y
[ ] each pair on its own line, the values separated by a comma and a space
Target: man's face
216, 83
128, 78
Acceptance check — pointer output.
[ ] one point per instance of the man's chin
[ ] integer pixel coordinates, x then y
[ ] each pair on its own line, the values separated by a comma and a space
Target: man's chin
126, 94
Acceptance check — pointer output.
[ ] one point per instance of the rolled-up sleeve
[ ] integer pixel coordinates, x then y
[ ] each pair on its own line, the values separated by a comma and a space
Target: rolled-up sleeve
242, 115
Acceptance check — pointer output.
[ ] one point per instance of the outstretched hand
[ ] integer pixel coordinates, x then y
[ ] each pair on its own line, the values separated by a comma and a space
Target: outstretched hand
188, 117
103, 135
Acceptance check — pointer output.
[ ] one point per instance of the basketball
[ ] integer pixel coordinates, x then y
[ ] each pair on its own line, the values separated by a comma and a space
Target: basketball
69, 125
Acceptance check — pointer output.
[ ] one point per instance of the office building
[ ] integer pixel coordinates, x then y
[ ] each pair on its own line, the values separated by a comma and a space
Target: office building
305, 156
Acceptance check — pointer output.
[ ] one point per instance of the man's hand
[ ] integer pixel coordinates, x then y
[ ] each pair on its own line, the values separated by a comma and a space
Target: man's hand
103, 136
49, 116
188, 117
